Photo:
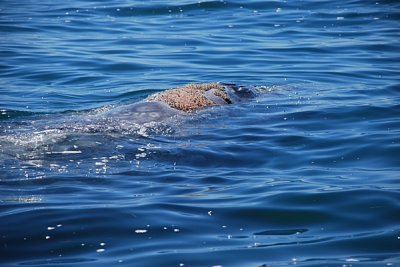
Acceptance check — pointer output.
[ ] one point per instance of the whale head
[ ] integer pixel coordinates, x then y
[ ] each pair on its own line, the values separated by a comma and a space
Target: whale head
239, 93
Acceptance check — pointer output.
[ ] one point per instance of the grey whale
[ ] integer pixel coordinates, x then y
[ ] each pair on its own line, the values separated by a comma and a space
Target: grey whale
148, 114
100, 131
184, 100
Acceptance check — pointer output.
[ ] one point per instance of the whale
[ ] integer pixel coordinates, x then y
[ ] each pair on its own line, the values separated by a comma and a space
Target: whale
149, 113
184, 100
155, 109
45, 138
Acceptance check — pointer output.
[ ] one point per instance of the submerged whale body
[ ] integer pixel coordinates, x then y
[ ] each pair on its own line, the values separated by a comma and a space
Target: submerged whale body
45, 137
150, 114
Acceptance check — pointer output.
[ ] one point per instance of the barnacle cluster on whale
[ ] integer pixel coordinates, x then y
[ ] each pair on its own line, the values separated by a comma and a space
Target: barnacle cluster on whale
192, 97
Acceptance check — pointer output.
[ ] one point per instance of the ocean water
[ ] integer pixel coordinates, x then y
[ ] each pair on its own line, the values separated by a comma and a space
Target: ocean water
306, 174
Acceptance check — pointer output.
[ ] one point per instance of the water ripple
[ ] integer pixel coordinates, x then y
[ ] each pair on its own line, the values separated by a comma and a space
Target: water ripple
306, 174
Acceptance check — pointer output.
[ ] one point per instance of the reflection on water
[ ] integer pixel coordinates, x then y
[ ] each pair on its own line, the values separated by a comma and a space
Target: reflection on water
25, 199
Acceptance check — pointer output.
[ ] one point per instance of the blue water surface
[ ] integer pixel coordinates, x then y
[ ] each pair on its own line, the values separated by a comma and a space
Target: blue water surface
306, 174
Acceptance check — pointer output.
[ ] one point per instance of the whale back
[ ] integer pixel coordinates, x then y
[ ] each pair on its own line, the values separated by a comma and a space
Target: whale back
144, 111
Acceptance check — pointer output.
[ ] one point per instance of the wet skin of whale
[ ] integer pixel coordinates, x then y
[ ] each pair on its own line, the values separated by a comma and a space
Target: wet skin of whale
144, 112
183, 100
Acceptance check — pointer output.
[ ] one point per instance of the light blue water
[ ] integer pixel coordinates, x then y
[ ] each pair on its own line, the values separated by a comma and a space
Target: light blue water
307, 174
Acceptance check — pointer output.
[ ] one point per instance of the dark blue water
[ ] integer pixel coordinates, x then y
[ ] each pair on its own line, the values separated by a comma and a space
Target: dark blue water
307, 174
